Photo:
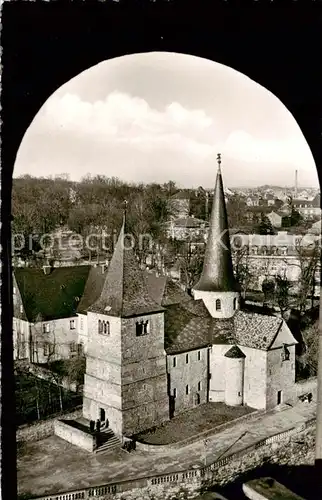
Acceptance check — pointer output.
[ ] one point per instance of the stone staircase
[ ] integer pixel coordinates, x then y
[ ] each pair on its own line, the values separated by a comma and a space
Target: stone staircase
107, 442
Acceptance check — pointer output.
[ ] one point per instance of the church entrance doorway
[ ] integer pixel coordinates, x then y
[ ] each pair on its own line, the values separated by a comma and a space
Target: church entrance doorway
279, 397
102, 415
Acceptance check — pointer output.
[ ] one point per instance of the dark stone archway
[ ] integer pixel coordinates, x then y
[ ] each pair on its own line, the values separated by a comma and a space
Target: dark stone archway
46, 44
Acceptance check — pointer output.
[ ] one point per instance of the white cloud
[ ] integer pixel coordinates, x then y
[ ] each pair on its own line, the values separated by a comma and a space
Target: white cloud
121, 117
243, 146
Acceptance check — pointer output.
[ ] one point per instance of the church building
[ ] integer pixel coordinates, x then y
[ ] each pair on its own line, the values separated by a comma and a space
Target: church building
154, 351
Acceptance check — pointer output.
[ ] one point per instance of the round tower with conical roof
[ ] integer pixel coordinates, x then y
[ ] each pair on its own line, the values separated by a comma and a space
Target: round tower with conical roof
217, 285
234, 376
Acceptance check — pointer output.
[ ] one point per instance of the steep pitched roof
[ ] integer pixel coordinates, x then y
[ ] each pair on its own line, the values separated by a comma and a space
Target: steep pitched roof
93, 288
164, 290
125, 290
217, 273
186, 327
256, 330
51, 296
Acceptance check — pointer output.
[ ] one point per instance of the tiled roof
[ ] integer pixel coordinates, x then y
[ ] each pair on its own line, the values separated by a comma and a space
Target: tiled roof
256, 330
189, 326
185, 328
156, 286
93, 288
173, 294
125, 291
51, 296
235, 352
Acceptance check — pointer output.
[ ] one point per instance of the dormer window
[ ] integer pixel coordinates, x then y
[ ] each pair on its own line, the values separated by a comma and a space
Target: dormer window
285, 353
218, 305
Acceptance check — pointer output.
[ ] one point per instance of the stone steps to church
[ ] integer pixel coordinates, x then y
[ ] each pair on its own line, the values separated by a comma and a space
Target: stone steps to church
109, 446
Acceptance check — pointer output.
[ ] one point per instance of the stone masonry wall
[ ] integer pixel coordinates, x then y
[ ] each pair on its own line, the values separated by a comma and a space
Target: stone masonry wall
189, 374
145, 401
44, 428
280, 376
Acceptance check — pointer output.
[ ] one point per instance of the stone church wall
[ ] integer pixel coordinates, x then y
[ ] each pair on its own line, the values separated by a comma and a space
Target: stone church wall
188, 374
145, 401
280, 376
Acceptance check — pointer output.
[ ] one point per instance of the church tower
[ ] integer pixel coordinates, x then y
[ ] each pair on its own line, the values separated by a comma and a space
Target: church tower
217, 285
126, 379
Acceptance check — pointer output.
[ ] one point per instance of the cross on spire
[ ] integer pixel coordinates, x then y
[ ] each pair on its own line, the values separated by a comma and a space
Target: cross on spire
219, 161
125, 203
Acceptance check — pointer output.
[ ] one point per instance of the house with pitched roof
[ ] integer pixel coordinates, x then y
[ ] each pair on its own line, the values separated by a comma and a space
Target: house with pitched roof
153, 351
45, 303
187, 228
308, 208
179, 204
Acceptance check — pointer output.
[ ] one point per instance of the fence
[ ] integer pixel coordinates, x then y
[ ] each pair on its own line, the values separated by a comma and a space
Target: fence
174, 478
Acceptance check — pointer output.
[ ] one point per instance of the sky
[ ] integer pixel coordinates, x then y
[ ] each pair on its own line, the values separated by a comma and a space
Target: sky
155, 117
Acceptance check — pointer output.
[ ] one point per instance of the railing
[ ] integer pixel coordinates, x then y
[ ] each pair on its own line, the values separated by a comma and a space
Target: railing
173, 477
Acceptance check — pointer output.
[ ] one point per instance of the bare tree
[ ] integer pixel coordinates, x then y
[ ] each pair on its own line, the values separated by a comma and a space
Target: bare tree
243, 274
308, 261
282, 294
190, 266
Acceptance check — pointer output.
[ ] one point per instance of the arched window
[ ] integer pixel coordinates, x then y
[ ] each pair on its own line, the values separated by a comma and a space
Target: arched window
100, 326
218, 305
235, 303
106, 327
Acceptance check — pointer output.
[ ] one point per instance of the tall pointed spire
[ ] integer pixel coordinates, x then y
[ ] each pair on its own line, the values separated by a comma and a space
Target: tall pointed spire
217, 274
125, 291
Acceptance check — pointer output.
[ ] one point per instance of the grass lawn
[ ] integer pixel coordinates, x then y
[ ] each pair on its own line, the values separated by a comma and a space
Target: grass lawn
192, 422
